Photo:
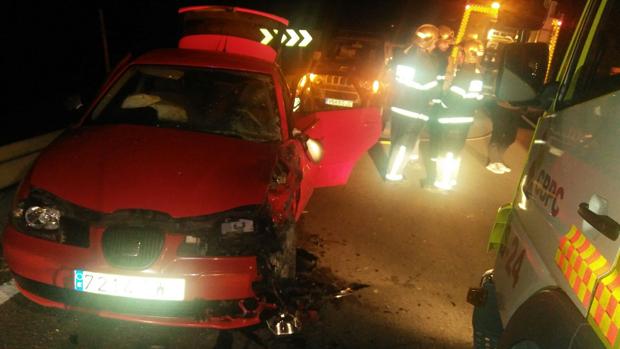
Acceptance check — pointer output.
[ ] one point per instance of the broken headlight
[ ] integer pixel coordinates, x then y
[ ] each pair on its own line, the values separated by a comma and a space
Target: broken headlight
43, 216
37, 220
47, 218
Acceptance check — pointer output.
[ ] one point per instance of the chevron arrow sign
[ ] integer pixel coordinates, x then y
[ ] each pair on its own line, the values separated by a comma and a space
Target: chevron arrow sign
291, 38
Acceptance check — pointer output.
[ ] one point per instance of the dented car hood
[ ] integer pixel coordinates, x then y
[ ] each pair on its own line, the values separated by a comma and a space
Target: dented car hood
182, 173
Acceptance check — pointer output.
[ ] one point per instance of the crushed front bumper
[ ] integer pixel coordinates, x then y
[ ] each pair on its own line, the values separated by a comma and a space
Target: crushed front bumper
219, 291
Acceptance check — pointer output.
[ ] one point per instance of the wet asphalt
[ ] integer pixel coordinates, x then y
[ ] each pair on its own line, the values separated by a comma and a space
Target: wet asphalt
417, 250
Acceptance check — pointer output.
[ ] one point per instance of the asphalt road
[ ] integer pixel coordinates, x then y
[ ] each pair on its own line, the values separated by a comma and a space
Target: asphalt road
417, 250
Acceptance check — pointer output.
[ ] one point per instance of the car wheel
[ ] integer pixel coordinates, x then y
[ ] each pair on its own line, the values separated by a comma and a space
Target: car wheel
548, 320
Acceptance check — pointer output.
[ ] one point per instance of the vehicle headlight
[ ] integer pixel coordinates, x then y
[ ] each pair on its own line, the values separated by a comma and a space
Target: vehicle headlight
375, 86
40, 220
37, 217
372, 86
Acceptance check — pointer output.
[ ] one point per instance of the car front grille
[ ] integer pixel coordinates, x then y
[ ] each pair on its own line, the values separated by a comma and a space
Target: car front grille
132, 247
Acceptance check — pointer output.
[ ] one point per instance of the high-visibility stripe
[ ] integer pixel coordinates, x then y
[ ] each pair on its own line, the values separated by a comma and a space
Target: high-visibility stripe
476, 86
604, 314
409, 113
580, 263
393, 174
466, 95
405, 72
416, 85
456, 120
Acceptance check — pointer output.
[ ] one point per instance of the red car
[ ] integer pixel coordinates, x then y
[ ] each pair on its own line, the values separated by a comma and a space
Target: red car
175, 200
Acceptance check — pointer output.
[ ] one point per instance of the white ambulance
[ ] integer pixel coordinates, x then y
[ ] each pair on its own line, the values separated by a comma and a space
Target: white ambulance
556, 281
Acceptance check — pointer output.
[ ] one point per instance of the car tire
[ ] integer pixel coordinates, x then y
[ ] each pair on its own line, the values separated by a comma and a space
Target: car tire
548, 320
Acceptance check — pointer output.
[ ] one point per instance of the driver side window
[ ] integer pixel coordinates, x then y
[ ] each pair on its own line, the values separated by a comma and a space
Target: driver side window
600, 75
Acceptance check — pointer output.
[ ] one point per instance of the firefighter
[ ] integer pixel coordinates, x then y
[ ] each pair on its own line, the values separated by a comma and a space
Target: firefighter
460, 102
442, 52
415, 86
441, 55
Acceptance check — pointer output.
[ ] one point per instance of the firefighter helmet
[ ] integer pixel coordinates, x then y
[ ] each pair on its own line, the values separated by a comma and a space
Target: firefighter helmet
426, 36
446, 34
446, 38
473, 50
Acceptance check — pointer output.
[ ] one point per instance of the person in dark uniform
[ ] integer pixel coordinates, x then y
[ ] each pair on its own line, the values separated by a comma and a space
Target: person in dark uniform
505, 125
457, 115
415, 86
442, 55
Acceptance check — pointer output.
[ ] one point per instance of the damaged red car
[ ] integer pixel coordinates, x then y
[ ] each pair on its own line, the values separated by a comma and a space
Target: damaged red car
174, 201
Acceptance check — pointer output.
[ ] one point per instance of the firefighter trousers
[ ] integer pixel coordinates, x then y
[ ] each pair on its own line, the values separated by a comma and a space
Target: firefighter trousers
405, 132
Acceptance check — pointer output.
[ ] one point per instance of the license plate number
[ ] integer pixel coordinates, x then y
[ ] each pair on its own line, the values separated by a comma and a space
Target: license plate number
129, 286
339, 102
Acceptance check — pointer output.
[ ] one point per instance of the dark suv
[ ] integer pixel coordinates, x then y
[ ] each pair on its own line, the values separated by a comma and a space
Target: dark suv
347, 74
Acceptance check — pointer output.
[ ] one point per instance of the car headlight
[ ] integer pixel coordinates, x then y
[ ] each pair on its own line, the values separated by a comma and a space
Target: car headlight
372, 86
37, 217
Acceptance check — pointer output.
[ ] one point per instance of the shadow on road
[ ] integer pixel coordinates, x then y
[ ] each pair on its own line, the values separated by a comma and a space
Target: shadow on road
379, 158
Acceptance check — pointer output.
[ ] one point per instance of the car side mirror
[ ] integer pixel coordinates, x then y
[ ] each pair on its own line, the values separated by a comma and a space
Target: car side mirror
313, 148
522, 72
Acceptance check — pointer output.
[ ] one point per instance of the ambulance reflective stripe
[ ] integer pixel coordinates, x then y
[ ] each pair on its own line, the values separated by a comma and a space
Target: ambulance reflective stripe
409, 113
456, 120
604, 314
581, 263
405, 75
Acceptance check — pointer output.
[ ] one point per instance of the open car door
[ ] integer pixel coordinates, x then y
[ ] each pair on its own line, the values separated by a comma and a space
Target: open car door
345, 136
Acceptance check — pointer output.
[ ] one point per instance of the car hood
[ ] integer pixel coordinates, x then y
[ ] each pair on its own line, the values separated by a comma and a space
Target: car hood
182, 173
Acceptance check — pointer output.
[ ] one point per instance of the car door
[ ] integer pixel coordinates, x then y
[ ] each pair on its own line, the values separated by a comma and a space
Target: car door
570, 200
345, 135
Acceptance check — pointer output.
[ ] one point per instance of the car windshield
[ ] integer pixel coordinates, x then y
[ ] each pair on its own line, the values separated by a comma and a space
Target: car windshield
353, 51
230, 103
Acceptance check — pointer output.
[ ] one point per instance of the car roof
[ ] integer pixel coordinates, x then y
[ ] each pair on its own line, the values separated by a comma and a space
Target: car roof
205, 59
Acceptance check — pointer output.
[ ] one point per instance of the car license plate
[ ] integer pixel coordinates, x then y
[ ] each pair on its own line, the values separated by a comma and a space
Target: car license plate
130, 286
339, 102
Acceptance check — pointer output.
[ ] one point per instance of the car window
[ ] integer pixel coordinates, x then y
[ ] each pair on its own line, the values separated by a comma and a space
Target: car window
600, 74
355, 51
230, 103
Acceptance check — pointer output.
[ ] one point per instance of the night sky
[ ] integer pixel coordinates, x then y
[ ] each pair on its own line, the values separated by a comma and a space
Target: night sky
54, 49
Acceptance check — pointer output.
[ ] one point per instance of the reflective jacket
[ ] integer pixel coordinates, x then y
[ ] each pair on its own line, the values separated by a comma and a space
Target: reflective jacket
415, 84
463, 97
